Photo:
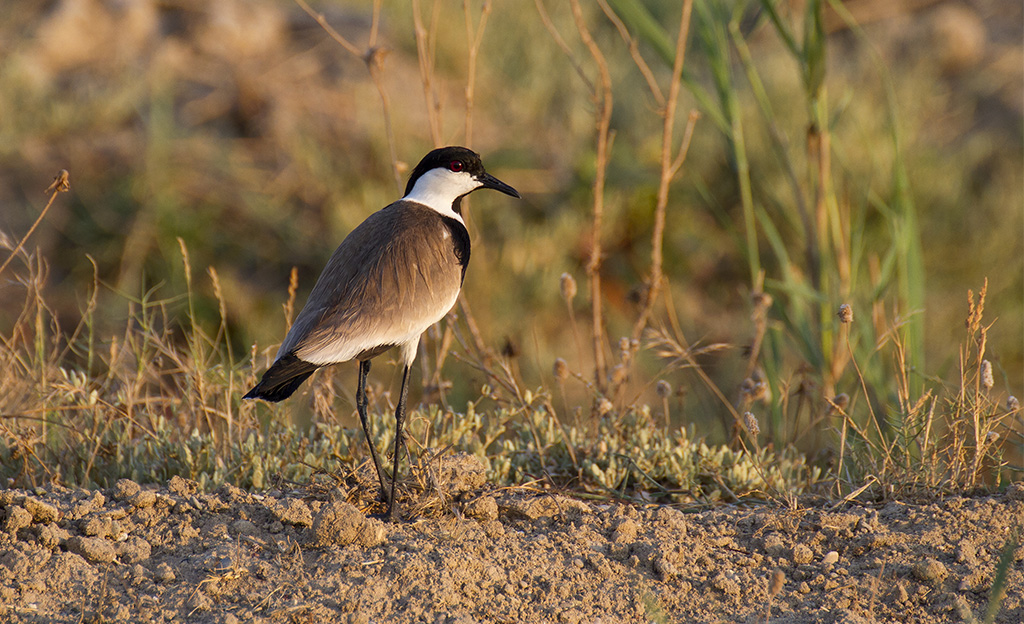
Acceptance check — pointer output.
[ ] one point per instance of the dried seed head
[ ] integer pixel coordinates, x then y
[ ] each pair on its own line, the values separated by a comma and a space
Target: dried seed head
777, 581
755, 389
747, 386
987, 380
991, 437
1012, 404
604, 406
618, 374
845, 313
61, 183
664, 389
839, 404
751, 421
762, 301
625, 353
568, 284
561, 370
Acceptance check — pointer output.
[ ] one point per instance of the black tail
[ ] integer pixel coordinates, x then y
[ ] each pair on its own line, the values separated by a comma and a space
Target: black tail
282, 379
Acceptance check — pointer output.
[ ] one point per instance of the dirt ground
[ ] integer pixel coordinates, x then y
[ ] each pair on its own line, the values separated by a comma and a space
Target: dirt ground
473, 553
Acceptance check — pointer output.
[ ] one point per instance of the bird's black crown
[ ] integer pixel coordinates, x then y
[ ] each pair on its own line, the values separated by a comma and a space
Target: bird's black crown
443, 157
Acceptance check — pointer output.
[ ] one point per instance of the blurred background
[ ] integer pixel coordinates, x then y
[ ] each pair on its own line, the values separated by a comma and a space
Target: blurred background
243, 129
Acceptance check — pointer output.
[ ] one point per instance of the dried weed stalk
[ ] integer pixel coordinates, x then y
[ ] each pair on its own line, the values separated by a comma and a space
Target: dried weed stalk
601, 95
373, 57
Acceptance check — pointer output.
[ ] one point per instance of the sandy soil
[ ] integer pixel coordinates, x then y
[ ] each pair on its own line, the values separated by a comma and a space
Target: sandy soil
476, 554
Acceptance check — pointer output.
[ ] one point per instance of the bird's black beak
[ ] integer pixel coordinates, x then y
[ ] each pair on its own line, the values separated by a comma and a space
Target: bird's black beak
492, 182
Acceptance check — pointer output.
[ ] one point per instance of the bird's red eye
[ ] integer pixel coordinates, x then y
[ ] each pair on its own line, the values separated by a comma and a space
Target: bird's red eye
456, 166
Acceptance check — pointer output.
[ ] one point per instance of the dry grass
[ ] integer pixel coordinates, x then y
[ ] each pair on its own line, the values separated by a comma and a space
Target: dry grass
943, 439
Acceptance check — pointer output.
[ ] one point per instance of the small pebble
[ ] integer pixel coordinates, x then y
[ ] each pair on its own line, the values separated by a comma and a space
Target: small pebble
625, 531
802, 554
726, 584
930, 571
665, 568
218, 530
901, 593
142, 499
966, 553
41, 512
51, 535
182, 487
494, 529
293, 511
95, 526
484, 508
243, 527
774, 546
138, 572
164, 573
94, 549
17, 518
125, 489
133, 550
341, 524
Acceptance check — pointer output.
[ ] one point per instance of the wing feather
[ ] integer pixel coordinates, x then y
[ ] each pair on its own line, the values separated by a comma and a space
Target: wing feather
391, 278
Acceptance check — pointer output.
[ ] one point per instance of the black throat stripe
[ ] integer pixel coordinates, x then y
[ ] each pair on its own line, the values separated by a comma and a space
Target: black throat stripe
460, 242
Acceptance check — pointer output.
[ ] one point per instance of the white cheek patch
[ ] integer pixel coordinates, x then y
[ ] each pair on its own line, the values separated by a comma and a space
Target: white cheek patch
438, 188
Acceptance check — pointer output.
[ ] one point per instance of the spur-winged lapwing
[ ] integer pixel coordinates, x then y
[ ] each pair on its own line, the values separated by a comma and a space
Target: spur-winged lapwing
395, 275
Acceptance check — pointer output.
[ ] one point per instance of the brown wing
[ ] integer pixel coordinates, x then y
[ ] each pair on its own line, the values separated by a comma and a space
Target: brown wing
396, 274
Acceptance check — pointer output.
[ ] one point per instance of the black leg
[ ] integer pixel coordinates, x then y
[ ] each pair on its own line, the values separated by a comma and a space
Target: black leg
364, 368
399, 420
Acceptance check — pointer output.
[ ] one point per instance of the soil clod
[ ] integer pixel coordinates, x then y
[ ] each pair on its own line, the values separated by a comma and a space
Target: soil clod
514, 556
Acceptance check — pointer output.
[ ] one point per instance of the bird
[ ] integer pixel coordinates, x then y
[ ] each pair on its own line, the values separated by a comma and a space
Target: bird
396, 274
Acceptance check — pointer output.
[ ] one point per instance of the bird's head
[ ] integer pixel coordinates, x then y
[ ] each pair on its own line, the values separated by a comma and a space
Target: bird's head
447, 174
